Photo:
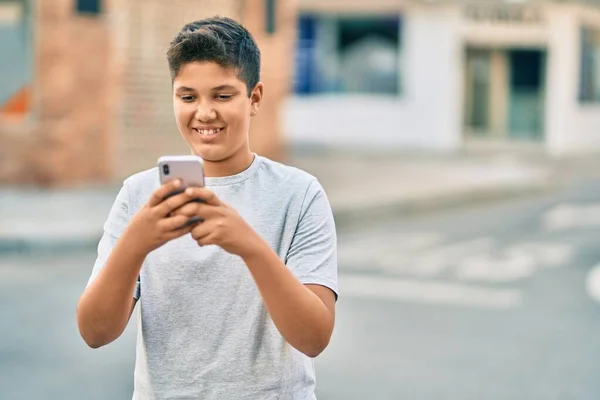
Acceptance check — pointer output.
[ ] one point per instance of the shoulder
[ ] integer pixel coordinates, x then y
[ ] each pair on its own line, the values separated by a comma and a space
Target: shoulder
140, 186
287, 176
293, 184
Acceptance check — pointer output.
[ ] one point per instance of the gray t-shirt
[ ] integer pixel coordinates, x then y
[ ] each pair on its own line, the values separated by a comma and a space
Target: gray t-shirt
203, 330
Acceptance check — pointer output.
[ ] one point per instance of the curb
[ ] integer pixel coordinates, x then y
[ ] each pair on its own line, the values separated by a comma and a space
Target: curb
50, 245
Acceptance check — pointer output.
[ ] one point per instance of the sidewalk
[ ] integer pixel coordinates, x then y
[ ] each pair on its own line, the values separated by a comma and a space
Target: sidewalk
365, 190
361, 190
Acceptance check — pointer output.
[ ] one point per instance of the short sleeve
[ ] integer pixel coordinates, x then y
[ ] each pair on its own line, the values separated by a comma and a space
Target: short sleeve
115, 225
312, 256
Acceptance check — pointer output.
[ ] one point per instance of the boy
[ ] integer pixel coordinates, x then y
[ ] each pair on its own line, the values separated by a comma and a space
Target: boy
234, 307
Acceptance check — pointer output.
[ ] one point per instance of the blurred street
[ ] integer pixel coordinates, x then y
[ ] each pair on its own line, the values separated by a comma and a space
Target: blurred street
491, 301
457, 142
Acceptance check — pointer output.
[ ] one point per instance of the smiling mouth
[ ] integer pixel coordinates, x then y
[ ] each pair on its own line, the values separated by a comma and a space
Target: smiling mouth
208, 132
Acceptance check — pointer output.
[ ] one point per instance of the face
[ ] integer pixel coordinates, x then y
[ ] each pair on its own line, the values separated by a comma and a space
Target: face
213, 113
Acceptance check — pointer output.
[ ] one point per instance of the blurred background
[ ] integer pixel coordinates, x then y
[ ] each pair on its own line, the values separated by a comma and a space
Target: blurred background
458, 143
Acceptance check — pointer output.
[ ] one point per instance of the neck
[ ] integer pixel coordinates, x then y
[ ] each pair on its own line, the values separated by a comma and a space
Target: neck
230, 166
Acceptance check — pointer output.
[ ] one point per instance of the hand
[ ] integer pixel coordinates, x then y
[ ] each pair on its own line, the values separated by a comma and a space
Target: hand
154, 224
221, 225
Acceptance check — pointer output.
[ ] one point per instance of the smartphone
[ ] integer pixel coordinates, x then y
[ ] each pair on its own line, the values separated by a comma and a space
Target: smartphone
189, 169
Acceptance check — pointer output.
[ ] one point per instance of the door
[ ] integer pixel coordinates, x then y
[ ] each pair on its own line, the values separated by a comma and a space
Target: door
526, 99
477, 92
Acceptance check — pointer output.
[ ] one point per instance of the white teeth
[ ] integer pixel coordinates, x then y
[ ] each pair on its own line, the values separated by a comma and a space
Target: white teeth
208, 131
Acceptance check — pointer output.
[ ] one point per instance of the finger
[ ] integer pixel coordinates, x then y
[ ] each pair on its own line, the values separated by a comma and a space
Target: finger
206, 240
184, 230
159, 194
177, 223
172, 223
201, 231
195, 210
189, 209
208, 196
173, 203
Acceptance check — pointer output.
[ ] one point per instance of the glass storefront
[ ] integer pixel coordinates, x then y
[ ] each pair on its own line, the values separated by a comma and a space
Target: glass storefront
504, 93
345, 54
589, 81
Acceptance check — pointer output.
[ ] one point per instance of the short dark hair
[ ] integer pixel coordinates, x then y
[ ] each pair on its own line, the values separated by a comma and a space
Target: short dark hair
221, 40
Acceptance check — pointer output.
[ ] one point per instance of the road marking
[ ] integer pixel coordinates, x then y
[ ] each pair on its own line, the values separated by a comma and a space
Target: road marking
546, 254
516, 262
475, 260
593, 283
487, 267
431, 262
567, 216
364, 251
427, 292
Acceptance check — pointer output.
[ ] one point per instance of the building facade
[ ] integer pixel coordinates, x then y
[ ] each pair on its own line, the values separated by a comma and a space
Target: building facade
440, 76
85, 95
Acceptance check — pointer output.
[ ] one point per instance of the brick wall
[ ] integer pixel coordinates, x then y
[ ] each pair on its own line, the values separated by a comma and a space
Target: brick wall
148, 128
67, 139
102, 105
277, 49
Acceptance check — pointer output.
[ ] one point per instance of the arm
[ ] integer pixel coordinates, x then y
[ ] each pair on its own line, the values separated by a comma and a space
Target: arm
298, 294
107, 304
303, 314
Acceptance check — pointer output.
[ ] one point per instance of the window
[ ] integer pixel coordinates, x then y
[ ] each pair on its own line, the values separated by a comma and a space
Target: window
345, 54
88, 6
271, 16
589, 80
16, 47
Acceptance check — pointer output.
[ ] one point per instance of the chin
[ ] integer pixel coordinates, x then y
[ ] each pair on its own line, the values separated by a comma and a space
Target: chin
210, 154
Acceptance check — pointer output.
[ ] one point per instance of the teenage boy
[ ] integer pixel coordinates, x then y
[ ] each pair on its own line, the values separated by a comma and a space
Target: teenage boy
238, 305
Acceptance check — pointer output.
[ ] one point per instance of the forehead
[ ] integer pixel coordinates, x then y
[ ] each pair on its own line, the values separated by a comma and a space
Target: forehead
206, 75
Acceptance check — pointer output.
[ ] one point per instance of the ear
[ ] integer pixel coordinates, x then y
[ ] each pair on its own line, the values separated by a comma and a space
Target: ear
255, 98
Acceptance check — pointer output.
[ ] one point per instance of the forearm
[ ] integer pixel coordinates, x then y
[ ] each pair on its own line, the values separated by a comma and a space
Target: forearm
300, 315
106, 305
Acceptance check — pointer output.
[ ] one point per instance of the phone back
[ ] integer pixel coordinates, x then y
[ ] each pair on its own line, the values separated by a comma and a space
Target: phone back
188, 168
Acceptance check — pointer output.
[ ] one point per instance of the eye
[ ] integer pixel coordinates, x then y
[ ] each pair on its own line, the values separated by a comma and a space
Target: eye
223, 97
187, 98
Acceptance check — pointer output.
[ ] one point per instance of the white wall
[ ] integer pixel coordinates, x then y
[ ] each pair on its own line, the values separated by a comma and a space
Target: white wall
572, 127
435, 75
352, 121
426, 116
586, 126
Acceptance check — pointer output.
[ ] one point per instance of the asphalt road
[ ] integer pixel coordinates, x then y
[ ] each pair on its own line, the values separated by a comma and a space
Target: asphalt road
498, 301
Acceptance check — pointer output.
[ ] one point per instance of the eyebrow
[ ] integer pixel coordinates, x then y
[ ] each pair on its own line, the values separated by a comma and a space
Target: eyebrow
224, 87
184, 89
215, 89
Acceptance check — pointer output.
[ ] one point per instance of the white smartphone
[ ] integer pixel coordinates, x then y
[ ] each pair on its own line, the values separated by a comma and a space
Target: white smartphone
188, 168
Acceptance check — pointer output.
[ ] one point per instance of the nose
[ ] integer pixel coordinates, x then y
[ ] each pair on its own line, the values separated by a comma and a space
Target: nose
205, 113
